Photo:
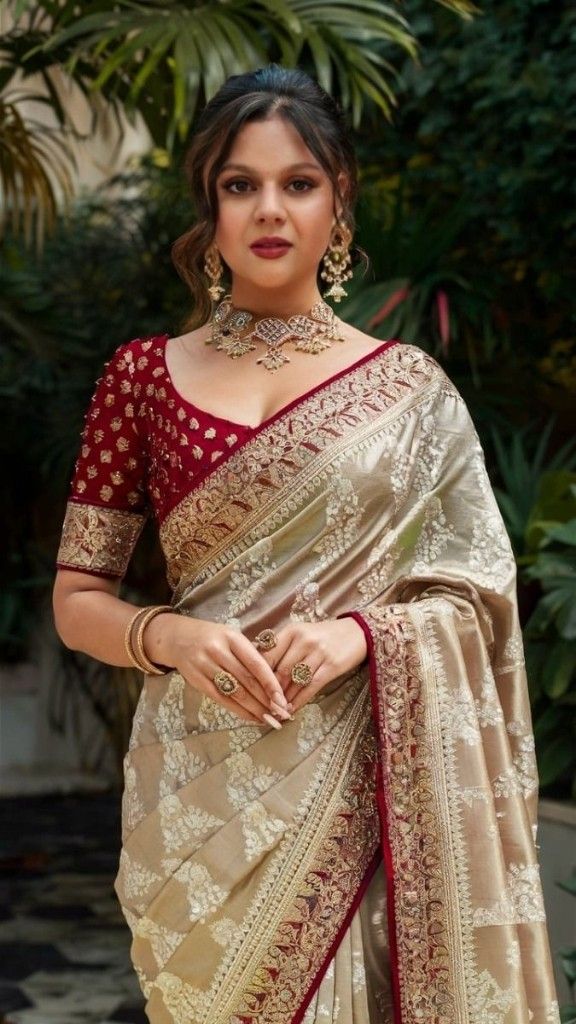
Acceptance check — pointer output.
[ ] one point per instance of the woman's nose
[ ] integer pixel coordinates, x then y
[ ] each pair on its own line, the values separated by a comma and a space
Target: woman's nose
270, 202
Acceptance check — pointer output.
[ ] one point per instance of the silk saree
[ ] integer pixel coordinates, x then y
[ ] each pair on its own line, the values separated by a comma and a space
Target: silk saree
375, 860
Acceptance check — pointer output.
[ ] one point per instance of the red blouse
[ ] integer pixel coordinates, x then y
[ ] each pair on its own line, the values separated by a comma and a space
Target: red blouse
143, 446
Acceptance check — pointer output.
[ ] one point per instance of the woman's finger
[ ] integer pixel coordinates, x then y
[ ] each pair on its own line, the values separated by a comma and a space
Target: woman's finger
241, 702
299, 695
267, 688
295, 654
251, 693
274, 655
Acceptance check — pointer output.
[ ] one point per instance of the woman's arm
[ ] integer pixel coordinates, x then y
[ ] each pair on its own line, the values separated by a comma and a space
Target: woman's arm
90, 617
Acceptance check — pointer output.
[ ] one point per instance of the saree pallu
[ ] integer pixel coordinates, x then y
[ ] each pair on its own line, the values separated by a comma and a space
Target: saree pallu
375, 861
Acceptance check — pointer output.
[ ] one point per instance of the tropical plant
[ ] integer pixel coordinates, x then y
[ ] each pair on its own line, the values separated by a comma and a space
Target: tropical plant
35, 171
161, 59
550, 632
418, 291
522, 462
486, 119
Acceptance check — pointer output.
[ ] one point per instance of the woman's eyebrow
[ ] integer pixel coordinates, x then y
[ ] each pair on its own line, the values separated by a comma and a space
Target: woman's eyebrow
250, 170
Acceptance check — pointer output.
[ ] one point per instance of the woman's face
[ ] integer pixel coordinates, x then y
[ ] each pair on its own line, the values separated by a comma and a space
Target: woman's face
272, 186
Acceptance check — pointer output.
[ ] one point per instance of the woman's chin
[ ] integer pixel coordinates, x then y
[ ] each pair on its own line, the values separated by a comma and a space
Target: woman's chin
265, 283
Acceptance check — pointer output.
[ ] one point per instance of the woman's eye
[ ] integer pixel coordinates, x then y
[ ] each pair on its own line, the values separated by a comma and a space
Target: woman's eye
229, 186
239, 186
302, 181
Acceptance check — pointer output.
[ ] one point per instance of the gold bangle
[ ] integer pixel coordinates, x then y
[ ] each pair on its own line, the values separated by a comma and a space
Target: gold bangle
128, 640
138, 642
138, 623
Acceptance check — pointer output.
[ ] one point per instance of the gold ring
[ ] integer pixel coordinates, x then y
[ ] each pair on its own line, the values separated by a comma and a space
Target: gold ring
225, 682
301, 673
265, 640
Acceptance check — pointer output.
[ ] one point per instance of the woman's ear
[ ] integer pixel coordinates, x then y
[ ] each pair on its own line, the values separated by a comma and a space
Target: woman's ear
343, 185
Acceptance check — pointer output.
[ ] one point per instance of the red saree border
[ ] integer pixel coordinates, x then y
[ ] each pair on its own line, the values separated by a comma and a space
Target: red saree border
254, 432
383, 814
370, 872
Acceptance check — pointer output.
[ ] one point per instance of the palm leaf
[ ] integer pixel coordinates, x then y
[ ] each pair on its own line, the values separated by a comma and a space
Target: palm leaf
196, 47
35, 172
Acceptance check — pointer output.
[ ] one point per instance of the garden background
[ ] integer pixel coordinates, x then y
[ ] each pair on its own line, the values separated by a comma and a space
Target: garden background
464, 121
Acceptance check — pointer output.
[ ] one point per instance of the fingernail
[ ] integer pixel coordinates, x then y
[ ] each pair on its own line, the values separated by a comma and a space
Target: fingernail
283, 712
272, 721
290, 707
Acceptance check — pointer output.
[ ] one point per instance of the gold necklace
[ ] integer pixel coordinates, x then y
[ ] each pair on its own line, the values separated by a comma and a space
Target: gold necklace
231, 332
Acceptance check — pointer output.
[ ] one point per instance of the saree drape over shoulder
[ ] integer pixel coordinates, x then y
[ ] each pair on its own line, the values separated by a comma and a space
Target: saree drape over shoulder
375, 861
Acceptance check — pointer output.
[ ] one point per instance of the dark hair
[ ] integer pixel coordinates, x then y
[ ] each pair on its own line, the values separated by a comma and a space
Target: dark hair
255, 96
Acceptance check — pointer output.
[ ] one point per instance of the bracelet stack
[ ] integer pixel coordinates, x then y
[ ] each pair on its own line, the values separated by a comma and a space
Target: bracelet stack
134, 639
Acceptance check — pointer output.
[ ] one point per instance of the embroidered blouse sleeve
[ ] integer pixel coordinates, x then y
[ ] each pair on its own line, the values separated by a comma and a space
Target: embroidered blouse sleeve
108, 504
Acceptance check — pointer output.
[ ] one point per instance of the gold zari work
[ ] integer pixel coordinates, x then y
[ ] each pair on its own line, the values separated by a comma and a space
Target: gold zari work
374, 861
99, 539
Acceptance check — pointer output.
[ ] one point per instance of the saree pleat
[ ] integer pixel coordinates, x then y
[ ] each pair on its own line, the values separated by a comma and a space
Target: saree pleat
374, 861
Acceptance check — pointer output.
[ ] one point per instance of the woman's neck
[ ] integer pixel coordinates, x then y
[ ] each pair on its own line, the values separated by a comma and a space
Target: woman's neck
264, 303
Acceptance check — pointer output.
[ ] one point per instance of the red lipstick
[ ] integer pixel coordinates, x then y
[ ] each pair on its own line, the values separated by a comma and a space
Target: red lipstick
270, 246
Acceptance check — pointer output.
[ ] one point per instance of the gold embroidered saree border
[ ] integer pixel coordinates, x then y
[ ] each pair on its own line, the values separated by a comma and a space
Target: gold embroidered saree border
427, 975
319, 912
259, 476
97, 539
445, 969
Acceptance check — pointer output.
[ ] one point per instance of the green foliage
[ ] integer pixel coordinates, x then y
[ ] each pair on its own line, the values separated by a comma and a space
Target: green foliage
521, 461
34, 164
163, 58
486, 121
420, 292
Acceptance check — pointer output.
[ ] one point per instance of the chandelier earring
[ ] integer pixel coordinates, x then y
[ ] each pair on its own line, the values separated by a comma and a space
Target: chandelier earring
336, 263
214, 270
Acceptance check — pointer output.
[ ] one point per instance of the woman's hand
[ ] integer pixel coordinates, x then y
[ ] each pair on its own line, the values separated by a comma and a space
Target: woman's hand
198, 648
329, 649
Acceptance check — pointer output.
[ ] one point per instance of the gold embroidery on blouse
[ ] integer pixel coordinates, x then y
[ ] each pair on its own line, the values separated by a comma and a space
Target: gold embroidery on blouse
98, 538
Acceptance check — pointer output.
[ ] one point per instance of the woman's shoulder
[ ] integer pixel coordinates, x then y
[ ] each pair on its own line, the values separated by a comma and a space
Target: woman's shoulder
402, 356
138, 358
414, 367
143, 347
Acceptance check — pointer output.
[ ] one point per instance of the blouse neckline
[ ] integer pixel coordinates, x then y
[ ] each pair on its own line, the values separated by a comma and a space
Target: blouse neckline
285, 408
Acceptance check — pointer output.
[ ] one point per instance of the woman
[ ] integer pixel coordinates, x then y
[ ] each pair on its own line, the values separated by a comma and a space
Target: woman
342, 576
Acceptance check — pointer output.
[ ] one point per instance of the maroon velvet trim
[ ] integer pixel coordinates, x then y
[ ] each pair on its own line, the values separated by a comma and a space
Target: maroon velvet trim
252, 432
89, 572
376, 860
381, 799
291, 405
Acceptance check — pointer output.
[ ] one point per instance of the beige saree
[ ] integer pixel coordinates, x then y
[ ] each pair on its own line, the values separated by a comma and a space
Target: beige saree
374, 862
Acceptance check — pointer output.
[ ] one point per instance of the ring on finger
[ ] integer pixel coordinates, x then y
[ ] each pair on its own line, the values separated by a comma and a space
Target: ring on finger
301, 673
265, 640
225, 682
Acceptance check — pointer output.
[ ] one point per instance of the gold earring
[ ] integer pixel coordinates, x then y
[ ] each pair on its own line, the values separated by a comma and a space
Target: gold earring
336, 263
213, 269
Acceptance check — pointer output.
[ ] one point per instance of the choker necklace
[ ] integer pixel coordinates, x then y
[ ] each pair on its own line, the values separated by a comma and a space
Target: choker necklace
232, 333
